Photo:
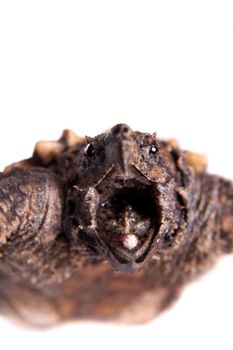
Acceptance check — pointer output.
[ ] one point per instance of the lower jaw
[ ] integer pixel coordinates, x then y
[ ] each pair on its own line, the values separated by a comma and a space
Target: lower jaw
142, 200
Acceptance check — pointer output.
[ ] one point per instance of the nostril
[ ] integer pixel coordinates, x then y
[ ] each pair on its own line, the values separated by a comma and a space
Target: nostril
125, 129
121, 130
117, 130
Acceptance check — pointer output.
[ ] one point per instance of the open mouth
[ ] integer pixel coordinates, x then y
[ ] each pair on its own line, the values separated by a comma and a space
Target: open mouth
128, 220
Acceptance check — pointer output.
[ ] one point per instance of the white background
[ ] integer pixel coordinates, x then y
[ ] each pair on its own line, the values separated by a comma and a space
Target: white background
164, 66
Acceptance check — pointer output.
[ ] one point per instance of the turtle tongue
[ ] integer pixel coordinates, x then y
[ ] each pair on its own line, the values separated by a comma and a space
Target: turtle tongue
129, 241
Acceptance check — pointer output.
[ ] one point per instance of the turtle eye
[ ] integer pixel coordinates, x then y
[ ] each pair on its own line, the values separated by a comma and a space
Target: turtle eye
153, 150
149, 152
89, 150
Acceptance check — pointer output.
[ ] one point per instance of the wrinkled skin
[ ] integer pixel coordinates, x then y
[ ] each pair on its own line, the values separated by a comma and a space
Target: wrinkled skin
110, 227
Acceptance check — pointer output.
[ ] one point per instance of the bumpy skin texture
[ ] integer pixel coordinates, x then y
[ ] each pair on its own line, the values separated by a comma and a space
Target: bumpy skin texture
110, 227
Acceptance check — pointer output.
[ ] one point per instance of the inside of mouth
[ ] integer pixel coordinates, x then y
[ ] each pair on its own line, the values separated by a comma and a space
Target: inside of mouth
127, 220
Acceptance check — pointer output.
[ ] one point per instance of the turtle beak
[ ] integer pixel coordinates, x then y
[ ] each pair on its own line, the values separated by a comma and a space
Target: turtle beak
123, 159
122, 147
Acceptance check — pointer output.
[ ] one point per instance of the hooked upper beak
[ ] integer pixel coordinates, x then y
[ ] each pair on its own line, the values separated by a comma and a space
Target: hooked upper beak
122, 152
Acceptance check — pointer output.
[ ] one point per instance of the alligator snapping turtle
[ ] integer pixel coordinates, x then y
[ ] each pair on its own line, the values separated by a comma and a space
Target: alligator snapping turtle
110, 227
